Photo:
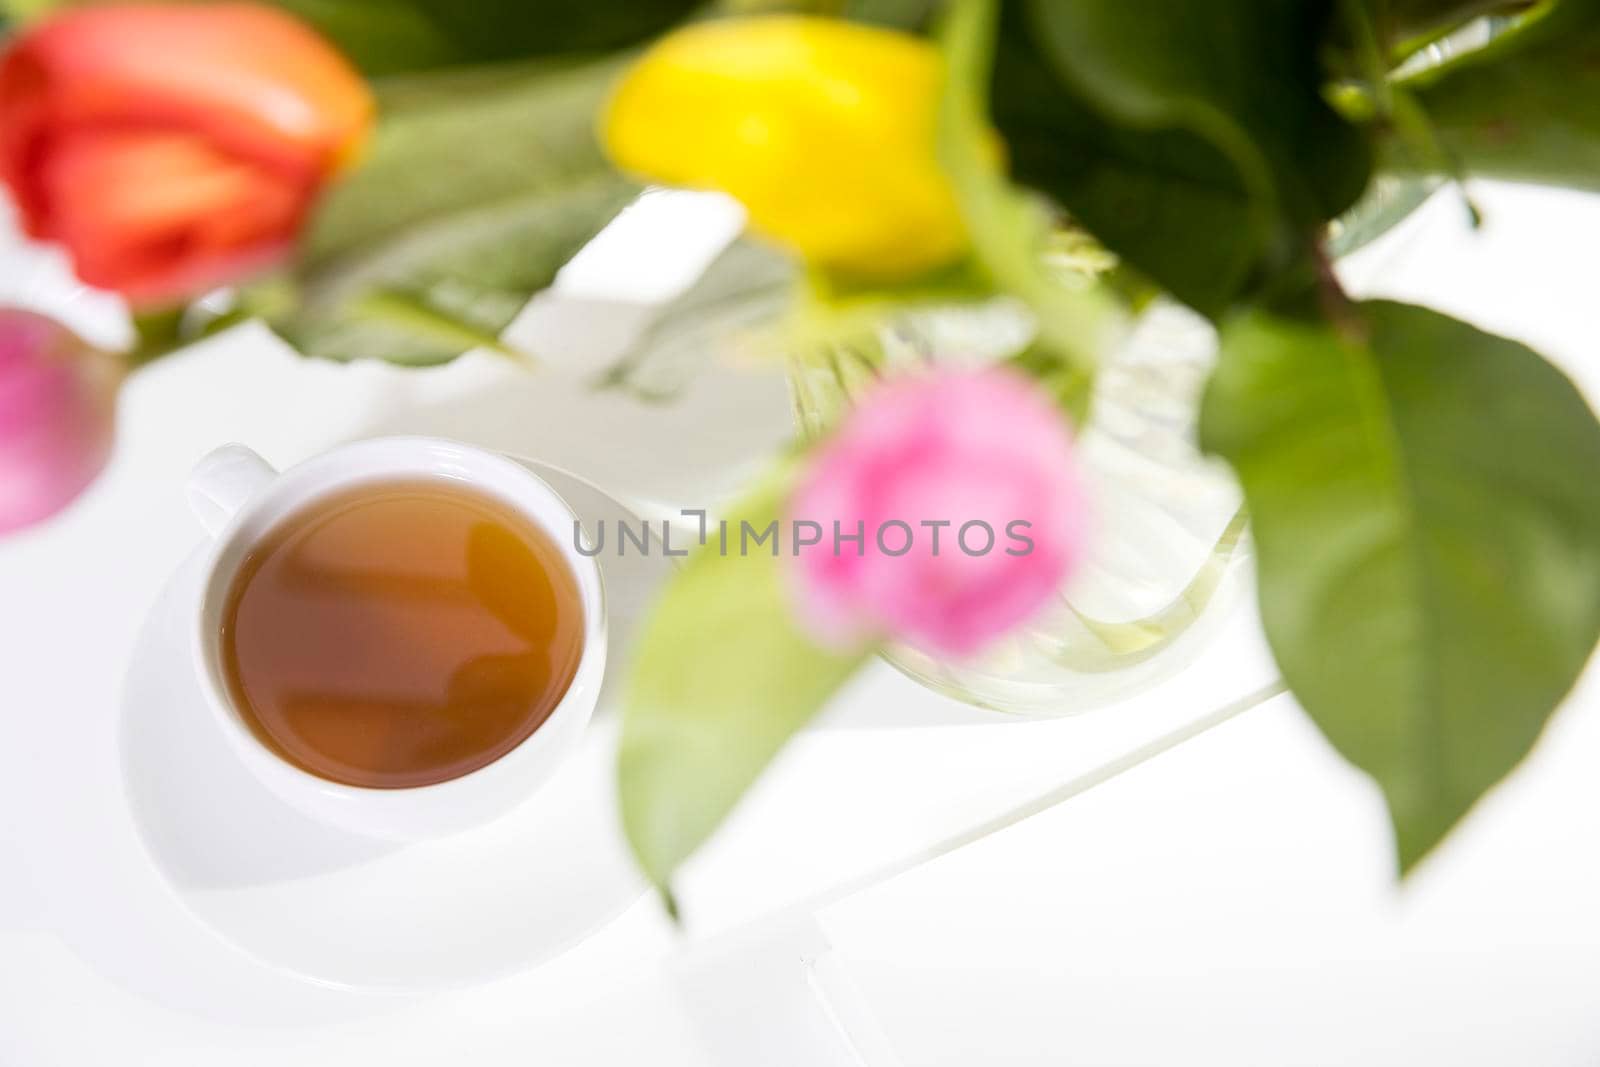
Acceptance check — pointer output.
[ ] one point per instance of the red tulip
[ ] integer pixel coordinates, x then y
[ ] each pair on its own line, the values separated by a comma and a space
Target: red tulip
57, 406
174, 147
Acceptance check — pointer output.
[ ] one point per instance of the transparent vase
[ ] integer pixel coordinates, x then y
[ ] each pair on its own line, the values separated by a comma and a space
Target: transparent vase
1168, 550
1170, 556
1170, 553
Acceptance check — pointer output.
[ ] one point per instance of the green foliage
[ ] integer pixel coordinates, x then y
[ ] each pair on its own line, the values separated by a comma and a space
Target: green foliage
393, 36
1402, 20
721, 679
1193, 139
1523, 107
1427, 521
1400, 28
898, 14
470, 200
380, 38
506, 29
23, 10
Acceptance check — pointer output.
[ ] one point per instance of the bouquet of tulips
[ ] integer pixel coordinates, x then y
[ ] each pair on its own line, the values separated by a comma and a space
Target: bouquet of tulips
394, 180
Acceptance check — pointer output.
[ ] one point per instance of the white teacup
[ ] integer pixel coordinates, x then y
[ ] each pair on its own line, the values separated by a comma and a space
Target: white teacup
239, 499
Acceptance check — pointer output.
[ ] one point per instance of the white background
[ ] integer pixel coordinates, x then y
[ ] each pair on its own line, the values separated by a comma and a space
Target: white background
1231, 901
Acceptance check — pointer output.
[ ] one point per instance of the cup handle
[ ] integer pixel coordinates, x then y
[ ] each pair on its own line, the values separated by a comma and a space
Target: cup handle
221, 483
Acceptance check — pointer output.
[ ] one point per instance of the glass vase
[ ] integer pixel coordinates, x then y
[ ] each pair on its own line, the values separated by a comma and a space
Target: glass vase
1168, 551
1171, 552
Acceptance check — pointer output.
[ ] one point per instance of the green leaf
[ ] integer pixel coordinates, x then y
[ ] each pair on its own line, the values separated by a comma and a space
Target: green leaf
1416, 24
744, 290
380, 38
1522, 107
1243, 74
26, 10
1427, 520
721, 679
468, 203
1402, 20
1400, 28
1193, 139
394, 36
506, 29
897, 14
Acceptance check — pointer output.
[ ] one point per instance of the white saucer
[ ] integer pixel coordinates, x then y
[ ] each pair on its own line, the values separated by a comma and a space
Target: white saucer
354, 912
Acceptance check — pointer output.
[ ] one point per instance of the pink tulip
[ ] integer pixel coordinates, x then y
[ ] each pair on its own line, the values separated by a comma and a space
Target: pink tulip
971, 512
57, 402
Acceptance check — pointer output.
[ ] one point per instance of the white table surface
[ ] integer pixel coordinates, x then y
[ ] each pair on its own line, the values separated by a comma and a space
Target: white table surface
1229, 902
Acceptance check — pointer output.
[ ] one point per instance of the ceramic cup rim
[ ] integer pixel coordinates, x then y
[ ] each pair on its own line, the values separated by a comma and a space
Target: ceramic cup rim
376, 461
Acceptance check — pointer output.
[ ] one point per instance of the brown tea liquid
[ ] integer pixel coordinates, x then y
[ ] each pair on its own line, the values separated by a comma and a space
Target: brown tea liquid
401, 634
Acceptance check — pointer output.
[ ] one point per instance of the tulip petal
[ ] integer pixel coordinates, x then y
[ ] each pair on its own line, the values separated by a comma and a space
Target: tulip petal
157, 216
825, 130
173, 147
57, 403
249, 78
984, 448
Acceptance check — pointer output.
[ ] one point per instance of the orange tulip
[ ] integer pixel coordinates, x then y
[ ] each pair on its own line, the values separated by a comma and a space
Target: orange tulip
173, 148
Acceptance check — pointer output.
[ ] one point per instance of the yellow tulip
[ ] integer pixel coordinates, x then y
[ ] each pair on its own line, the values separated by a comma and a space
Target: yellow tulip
823, 129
